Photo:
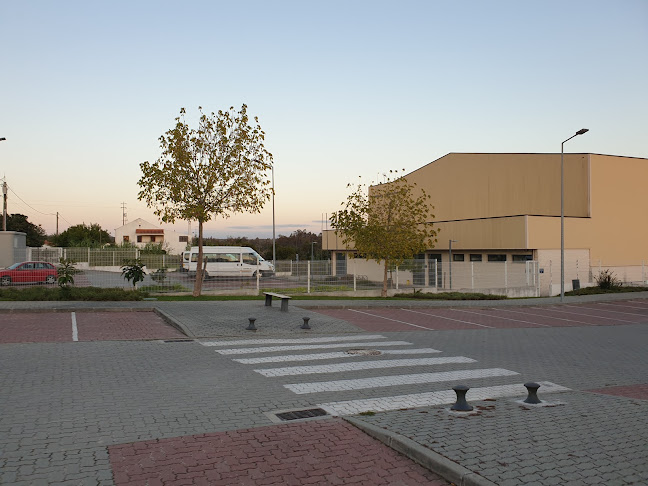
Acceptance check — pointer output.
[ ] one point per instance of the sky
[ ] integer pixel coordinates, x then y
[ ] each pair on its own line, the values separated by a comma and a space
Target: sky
343, 89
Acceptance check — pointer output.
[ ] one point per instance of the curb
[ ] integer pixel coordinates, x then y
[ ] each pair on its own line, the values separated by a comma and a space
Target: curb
173, 322
435, 462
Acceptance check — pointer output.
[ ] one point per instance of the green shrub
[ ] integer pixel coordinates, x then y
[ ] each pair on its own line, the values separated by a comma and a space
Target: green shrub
417, 294
33, 293
133, 271
606, 280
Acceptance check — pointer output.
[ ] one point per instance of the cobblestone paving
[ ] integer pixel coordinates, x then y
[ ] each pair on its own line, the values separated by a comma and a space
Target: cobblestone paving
587, 439
64, 404
634, 391
218, 318
323, 452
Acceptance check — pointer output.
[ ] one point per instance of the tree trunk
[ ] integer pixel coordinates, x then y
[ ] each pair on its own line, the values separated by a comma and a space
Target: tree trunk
199, 264
384, 289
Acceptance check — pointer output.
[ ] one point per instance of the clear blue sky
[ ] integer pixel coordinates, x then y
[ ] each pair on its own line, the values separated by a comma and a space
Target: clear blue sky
342, 88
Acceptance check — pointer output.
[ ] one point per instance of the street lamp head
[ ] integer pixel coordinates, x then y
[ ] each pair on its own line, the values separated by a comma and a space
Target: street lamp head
582, 130
2, 139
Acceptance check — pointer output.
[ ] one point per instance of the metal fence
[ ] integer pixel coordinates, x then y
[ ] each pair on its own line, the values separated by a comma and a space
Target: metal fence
103, 268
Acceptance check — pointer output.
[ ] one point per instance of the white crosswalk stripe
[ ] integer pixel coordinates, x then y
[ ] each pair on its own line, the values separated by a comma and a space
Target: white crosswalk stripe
298, 350
329, 339
273, 349
363, 365
351, 407
333, 355
385, 381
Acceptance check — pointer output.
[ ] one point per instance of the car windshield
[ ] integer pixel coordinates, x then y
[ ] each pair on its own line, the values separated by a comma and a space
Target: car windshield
14, 266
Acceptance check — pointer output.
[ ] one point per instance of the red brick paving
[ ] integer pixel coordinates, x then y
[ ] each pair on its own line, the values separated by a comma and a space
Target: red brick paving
441, 319
318, 452
632, 391
50, 327
113, 326
35, 328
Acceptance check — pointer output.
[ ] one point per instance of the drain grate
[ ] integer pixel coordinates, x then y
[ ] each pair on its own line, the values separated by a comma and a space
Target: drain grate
302, 414
364, 352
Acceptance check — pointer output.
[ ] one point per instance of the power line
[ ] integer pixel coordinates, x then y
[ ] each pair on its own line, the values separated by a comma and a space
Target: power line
31, 207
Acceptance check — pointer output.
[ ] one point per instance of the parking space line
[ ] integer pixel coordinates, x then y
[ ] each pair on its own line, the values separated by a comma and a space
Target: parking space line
505, 318
448, 318
547, 317
393, 320
75, 330
625, 306
588, 315
613, 311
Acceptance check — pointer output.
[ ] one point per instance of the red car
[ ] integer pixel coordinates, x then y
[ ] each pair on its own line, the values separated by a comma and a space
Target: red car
28, 272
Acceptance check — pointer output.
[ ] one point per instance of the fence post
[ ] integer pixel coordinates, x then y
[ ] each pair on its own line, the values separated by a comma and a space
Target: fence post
599, 267
88, 256
436, 277
643, 275
355, 274
505, 275
397, 277
472, 275
258, 276
308, 277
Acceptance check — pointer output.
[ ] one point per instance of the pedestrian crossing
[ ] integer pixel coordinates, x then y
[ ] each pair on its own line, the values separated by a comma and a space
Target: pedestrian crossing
361, 356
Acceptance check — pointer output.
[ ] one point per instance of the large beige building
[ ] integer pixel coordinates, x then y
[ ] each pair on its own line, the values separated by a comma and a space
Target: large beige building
506, 207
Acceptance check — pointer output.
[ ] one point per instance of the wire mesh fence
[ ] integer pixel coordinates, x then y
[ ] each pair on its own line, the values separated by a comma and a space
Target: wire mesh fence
164, 273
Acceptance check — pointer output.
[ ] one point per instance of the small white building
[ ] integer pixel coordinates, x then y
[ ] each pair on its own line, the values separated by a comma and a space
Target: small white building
140, 233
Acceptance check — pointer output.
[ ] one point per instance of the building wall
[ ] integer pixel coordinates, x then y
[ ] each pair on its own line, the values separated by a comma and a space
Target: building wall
470, 186
170, 239
511, 202
13, 248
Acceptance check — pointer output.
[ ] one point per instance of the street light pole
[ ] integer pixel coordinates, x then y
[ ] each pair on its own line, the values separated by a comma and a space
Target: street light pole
273, 221
562, 212
4, 199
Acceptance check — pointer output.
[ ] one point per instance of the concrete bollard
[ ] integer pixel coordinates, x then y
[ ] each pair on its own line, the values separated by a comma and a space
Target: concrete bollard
251, 326
462, 404
305, 324
532, 388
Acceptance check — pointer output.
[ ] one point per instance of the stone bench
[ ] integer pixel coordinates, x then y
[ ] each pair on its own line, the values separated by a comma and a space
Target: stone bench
284, 300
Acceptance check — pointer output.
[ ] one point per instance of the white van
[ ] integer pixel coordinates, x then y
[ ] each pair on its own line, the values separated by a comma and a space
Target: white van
227, 261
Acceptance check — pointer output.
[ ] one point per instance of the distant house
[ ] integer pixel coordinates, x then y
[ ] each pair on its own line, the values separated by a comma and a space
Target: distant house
140, 233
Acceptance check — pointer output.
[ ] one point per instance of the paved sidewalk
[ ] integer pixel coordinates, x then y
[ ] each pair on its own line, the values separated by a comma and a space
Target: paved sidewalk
146, 412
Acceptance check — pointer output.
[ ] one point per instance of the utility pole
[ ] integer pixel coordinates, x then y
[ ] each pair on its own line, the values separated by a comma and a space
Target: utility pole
123, 213
4, 205
57, 223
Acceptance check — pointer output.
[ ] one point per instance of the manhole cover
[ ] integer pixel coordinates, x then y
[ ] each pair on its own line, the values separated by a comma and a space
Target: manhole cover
364, 352
302, 414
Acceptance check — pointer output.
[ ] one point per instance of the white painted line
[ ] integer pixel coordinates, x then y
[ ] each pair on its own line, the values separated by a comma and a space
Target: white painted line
362, 365
448, 318
352, 407
625, 306
75, 330
611, 311
292, 341
384, 381
500, 317
587, 315
334, 355
273, 349
545, 316
393, 320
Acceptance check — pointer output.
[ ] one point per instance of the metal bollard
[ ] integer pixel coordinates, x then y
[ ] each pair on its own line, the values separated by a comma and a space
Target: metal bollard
532, 388
462, 404
305, 324
251, 326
